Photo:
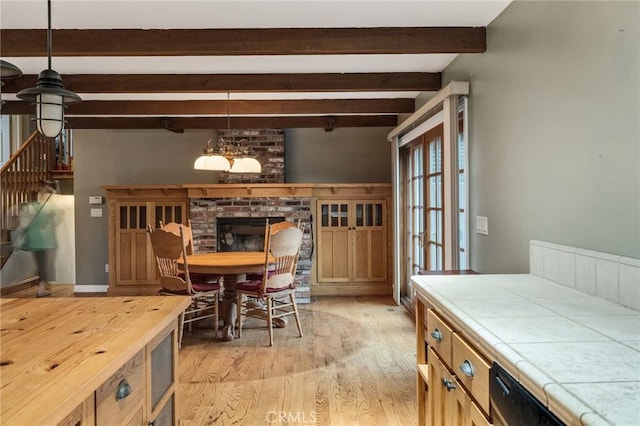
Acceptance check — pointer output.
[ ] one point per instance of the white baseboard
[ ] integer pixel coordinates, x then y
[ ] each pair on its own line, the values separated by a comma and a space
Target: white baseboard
90, 288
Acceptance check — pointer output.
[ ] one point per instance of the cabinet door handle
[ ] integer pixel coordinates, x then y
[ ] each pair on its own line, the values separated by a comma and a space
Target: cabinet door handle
467, 368
123, 391
437, 336
448, 383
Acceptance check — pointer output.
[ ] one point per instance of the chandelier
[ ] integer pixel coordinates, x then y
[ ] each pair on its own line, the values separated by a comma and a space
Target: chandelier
228, 157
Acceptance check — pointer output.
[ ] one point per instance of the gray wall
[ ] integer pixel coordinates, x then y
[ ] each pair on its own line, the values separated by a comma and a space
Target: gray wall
554, 135
161, 157
347, 155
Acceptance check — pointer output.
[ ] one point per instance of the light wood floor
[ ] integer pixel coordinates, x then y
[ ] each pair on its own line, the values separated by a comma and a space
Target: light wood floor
355, 365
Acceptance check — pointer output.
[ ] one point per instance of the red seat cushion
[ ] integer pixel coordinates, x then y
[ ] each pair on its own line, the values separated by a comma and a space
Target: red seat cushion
256, 286
205, 286
253, 285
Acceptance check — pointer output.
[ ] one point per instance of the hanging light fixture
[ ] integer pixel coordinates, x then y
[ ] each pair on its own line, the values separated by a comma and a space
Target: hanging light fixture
8, 70
245, 161
49, 95
227, 157
210, 160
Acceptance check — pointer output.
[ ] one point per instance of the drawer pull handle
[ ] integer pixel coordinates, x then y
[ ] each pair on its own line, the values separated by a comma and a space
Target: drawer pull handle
449, 384
124, 390
467, 368
437, 336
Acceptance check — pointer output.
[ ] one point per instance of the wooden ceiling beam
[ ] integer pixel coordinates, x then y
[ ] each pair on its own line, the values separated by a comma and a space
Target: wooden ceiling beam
234, 107
209, 83
181, 123
254, 41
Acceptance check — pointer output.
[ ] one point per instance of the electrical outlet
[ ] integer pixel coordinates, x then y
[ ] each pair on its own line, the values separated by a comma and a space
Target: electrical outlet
96, 212
482, 225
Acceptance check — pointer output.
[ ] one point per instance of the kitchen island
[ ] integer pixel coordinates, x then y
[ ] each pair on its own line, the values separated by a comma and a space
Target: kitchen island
89, 360
578, 354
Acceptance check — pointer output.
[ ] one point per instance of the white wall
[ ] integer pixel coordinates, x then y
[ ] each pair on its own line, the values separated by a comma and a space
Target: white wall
554, 134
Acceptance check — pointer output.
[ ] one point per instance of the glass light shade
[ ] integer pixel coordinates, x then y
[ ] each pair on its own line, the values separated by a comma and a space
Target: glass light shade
246, 165
50, 97
49, 114
212, 162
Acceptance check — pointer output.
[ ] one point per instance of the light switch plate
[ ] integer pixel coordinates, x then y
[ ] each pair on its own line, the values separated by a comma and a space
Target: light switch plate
96, 212
482, 225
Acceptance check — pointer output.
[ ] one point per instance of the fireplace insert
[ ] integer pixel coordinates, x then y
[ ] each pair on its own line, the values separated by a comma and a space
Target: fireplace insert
242, 233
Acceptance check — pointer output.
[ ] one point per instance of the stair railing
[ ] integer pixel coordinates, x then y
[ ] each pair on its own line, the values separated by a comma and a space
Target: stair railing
20, 177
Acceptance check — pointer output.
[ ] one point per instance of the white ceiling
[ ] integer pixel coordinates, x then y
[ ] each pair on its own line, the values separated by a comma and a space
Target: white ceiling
176, 14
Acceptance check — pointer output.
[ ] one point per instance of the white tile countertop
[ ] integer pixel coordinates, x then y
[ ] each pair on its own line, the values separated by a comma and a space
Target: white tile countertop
579, 354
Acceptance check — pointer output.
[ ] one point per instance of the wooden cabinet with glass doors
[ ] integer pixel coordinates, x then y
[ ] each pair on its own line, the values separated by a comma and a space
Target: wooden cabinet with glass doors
352, 247
132, 269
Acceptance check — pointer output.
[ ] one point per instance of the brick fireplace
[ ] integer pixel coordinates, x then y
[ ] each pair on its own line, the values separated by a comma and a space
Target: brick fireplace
205, 213
268, 146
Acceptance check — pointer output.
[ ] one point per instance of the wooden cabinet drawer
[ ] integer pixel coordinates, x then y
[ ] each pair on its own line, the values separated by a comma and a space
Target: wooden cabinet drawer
472, 370
439, 336
109, 410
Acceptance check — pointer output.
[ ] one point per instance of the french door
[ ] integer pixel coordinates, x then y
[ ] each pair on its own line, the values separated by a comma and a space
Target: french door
424, 200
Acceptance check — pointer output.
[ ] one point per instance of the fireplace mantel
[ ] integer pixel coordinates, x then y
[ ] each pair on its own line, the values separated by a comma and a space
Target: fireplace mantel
284, 190
243, 190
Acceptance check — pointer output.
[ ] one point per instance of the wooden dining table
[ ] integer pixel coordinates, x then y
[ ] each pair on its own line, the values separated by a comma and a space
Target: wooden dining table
233, 265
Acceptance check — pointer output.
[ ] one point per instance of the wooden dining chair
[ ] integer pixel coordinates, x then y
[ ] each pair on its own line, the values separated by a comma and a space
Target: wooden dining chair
168, 248
273, 228
187, 239
277, 287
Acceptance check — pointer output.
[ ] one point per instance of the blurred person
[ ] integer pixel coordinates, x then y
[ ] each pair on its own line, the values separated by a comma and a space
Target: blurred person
38, 234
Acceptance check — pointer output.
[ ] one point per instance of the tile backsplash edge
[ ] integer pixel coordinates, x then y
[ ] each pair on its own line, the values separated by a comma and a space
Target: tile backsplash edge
612, 277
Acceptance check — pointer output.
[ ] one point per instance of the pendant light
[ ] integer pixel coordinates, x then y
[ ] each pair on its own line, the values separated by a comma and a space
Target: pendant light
227, 157
210, 160
242, 160
49, 95
8, 70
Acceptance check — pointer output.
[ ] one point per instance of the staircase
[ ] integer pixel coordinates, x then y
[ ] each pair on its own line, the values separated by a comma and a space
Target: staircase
37, 159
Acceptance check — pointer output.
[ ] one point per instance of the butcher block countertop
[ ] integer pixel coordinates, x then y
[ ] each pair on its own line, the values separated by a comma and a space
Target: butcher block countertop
578, 354
54, 352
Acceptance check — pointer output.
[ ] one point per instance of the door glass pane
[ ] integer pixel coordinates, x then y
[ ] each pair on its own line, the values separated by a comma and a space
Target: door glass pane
325, 215
433, 257
132, 217
123, 217
343, 215
143, 217
369, 214
161, 369
378, 214
359, 214
334, 215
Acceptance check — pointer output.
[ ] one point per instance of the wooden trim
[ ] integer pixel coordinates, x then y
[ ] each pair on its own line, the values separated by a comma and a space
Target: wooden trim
351, 289
225, 83
19, 286
256, 122
223, 107
453, 88
253, 41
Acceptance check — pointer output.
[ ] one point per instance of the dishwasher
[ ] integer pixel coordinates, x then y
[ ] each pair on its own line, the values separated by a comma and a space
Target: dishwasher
513, 405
